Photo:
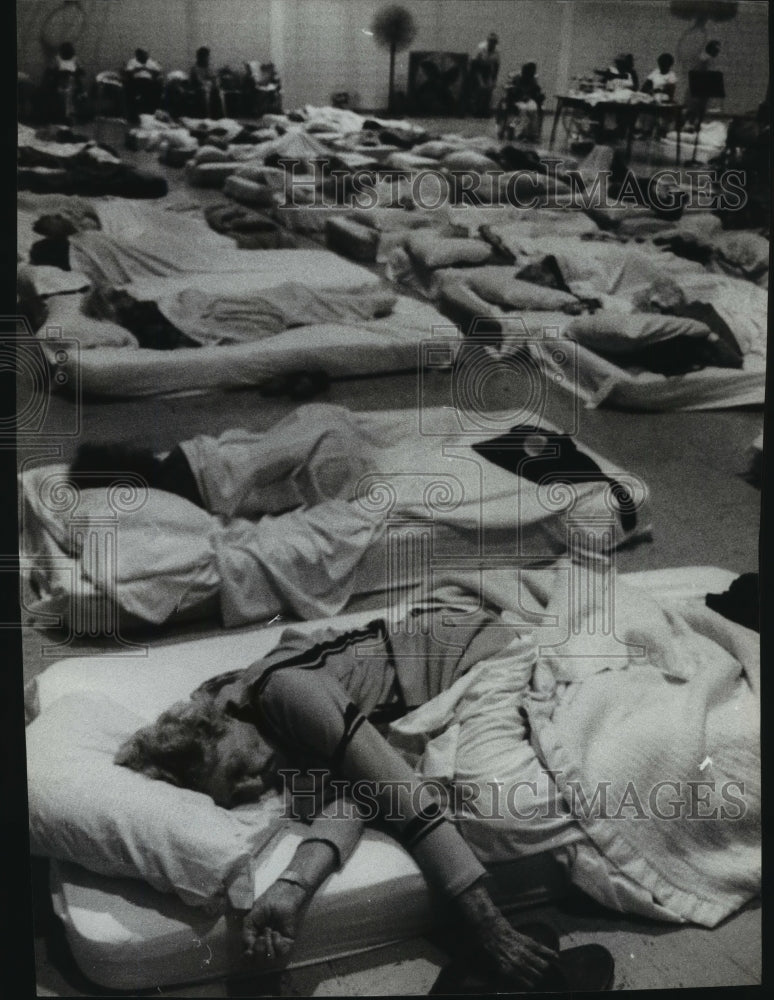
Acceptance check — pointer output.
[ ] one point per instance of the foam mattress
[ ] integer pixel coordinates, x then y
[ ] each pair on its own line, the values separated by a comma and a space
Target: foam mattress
124, 935
436, 498
598, 382
383, 345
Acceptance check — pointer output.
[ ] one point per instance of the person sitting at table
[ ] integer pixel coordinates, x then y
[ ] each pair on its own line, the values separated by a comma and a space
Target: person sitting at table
621, 75
662, 82
661, 85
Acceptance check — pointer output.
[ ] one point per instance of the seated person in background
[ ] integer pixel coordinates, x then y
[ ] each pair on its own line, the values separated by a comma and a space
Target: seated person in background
523, 99
202, 80
662, 82
621, 75
143, 82
264, 88
661, 85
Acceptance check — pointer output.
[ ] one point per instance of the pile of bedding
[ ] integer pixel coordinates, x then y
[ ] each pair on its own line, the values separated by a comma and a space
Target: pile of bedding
635, 733
288, 527
702, 146
564, 257
687, 862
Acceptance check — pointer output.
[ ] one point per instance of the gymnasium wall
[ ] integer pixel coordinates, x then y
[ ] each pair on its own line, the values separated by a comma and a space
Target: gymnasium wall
322, 46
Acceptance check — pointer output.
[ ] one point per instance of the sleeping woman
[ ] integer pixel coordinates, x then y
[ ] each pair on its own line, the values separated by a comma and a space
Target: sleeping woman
312, 710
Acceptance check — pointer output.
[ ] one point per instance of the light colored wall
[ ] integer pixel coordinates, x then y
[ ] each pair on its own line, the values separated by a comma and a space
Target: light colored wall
321, 45
648, 29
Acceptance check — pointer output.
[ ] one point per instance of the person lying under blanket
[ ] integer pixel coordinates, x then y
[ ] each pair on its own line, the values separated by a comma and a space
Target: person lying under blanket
192, 318
315, 708
306, 458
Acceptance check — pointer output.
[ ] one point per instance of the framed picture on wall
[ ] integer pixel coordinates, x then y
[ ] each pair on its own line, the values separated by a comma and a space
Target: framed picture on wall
436, 82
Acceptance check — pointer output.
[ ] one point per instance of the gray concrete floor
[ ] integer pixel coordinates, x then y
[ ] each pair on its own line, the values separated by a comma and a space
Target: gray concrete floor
704, 512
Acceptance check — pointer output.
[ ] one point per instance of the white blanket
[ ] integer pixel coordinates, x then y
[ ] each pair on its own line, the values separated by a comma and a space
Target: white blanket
674, 833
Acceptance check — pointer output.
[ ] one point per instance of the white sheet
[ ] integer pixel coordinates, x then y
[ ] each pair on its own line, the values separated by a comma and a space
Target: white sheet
389, 344
126, 936
431, 490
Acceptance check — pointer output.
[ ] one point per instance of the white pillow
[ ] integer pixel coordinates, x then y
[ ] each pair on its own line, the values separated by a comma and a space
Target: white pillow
432, 251
86, 809
621, 333
65, 311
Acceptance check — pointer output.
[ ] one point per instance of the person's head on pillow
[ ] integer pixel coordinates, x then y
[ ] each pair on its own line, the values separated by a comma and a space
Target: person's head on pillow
196, 745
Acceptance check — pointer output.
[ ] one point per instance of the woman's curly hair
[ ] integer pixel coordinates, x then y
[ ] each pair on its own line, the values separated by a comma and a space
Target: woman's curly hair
178, 747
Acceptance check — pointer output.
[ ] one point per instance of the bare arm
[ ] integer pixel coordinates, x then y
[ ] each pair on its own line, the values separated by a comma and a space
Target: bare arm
271, 927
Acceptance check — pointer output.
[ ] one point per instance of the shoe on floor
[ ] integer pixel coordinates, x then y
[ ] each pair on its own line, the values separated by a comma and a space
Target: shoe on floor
588, 968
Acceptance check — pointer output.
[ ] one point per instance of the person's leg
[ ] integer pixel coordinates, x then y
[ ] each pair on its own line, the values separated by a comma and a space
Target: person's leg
419, 822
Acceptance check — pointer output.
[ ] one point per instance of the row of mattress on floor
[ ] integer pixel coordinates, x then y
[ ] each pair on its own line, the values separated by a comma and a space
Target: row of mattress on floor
649, 329
145, 299
148, 877
615, 352
56, 160
711, 339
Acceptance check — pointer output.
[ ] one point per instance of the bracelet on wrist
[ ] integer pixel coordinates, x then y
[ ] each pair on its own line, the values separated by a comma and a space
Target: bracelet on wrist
295, 879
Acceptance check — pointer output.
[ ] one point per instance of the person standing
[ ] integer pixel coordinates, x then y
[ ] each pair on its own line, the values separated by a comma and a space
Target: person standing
67, 82
696, 104
482, 75
202, 80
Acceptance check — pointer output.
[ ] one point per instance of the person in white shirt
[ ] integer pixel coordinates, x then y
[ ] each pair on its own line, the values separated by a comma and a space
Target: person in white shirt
67, 79
482, 76
662, 82
143, 83
621, 75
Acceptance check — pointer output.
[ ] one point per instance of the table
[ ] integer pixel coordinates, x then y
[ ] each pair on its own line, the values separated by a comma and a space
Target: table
629, 112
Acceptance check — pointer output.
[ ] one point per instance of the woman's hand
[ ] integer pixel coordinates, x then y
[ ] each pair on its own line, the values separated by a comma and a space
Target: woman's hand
269, 930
